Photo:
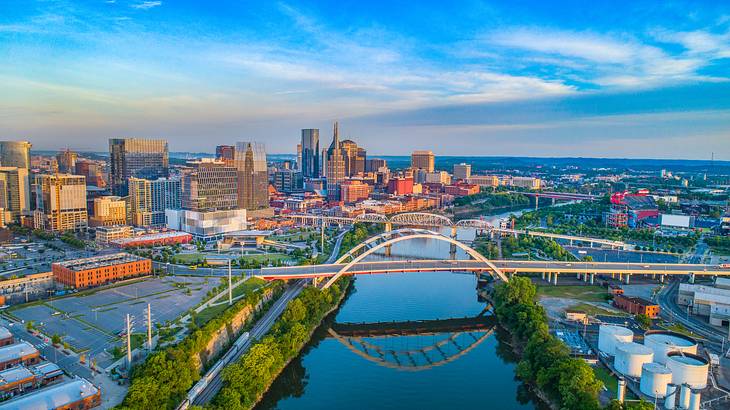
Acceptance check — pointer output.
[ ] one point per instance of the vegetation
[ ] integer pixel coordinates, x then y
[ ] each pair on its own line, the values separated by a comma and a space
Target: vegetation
643, 321
246, 381
546, 363
719, 244
490, 200
69, 238
359, 233
164, 378
593, 310
578, 292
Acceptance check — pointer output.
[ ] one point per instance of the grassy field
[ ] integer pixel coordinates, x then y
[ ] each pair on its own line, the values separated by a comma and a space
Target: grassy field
248, 286
608, 379
260, 257
679, 328
595, 310
297, 237
579, 292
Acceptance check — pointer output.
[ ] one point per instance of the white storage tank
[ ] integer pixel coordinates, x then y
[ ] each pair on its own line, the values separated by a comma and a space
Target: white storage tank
630, 357
688, 368
664, 342
609, 336
654, 380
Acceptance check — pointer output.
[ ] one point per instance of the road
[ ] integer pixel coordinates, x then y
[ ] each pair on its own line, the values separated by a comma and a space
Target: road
672, 312
260, 329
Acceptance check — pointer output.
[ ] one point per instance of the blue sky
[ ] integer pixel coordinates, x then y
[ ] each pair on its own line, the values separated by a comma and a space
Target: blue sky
613, 79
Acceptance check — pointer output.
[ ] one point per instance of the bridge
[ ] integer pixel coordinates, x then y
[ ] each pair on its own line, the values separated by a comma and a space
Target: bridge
555, 196
430, 220
352, 263
459, 337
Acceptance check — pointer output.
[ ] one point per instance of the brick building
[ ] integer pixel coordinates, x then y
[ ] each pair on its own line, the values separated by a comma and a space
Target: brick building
100, 270
636, 306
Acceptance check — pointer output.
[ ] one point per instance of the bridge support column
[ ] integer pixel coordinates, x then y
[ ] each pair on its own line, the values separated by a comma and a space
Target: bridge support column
592, 278
549, 277
555, 279
553, 201
661, 278
691, 278
537, 201
585, 277
543, 275
577, 275
613, 276
620, 277
628, 278
452, 247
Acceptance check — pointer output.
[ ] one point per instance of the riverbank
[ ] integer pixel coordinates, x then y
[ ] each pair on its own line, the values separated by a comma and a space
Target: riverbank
247, 381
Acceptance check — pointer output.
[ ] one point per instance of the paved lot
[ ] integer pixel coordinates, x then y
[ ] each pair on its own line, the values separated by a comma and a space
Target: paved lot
607, 255
94, 321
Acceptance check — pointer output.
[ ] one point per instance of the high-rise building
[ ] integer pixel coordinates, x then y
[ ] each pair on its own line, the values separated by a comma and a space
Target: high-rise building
253, 176
14, 193
462, 171
310, 163
423, 160
138, 158
299, 157
209, 202
149, 200
335, 166
66, 160
92, 170
374, 164
60, 202
400, 185
15, 154
288, 181
353, 191
354, 158
109, 211
225, 153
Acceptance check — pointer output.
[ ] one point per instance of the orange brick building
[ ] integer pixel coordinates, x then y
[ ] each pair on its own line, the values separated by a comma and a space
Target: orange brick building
636, 306
100, 270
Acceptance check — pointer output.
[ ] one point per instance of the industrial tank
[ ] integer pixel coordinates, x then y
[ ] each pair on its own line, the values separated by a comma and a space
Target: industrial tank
688, 368
630, 357
664, 342
654, 379
610, 335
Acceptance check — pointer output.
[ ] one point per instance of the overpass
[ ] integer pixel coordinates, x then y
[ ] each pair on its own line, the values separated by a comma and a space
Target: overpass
427, 220
353, 263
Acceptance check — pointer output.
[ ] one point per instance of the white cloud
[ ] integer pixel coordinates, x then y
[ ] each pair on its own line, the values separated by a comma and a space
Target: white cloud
146, 5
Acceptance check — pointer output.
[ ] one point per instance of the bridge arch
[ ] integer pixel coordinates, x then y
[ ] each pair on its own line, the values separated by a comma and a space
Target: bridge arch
393, 237
372, 218
421, 219
474, 223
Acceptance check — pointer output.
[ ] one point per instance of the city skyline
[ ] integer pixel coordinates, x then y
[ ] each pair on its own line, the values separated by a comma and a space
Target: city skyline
608, 80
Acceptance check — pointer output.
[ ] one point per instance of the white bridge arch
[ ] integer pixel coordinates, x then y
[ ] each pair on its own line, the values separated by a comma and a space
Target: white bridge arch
389, 238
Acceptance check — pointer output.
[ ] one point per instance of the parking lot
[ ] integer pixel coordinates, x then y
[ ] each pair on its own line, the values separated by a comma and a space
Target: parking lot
94, 321
618, 255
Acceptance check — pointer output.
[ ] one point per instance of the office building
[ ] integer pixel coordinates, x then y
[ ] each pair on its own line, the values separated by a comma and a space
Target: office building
526, 182
15, 154
60, 202
253, 176
136, 158
149, 199
209, 202
107, 234
486, 181
438, 177
335, 166
310, 162
14, 193
100, 270
423, 160
461, 189
288, 181
225, 153
92, 170
354, 157
108, 211
400, 185
66, 160
375, 164
462, 171
352, 191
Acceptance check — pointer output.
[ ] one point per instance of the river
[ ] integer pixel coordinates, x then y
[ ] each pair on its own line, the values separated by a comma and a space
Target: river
471, 369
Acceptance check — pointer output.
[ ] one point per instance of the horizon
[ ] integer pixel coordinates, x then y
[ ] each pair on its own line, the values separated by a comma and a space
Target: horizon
618, 80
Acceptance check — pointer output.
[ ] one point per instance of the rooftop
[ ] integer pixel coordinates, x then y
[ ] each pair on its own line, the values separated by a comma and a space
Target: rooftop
15, 351
14, 375
5, 333
53, 397
99, 261
150, 237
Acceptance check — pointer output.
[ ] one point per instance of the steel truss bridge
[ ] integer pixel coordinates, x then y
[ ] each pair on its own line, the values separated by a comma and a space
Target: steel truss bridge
352, 263
429, 220
458, 338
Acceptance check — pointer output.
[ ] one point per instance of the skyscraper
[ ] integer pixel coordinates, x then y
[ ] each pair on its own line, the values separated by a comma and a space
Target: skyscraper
136, 157
354, 158
310, 164
66, 161
149, 199
423, 160
335, 166
462, 171
225, 153
253, 176
60, 202
14, 192
15, 154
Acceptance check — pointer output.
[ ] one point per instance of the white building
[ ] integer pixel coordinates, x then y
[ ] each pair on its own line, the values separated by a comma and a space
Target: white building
206, 226
710, 301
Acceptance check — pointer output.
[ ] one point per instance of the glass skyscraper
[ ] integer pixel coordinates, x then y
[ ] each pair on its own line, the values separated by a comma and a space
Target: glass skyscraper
15, 154
138, 158
310, 153
253, 176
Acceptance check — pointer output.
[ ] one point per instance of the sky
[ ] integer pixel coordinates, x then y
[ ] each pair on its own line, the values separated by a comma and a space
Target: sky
627, 79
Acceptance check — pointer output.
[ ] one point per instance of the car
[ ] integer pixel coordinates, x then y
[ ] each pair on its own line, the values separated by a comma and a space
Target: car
725, 265
646, 266
568, 264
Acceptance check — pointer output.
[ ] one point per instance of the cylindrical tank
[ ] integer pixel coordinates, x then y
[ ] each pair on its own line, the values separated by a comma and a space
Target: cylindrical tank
688, 368
663, 342
610, 335
670, 399
685, 394
630, 357
654, 380
621, 391
694, 400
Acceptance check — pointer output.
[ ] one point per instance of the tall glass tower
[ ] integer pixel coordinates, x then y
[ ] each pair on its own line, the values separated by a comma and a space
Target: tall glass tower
253, 177
310, 153
138, 158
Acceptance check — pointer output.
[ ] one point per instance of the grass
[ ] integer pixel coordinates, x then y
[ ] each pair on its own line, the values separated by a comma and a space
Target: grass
579, 292
608, 379
259, 257
679, 328
207, 314
594, 310
248, 286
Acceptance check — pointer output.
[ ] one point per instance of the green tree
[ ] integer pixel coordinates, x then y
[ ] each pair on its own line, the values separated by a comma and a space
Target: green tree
643, 320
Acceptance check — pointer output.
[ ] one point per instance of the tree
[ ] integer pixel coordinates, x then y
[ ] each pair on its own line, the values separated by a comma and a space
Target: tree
643, 321
56, 339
